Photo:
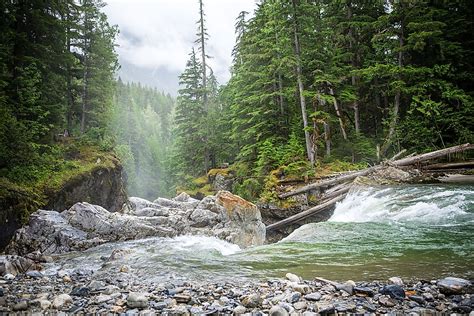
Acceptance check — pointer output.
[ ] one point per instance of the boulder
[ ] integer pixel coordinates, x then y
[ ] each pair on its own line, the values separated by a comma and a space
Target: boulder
84, 225
244, 220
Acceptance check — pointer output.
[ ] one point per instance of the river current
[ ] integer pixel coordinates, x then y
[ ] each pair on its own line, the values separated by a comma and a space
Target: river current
414, 232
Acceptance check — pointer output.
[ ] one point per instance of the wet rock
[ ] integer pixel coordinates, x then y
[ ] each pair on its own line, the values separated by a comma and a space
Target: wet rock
2, 292
363, 291
293, 297
316, 296
34, 274
293, 277
428, 297
20, 306
252, 301
80, 291
416, 298
450, 286
343, 307
394, 291
137, 300
369, 307
347, 287
278, 311
396, 281
61, 301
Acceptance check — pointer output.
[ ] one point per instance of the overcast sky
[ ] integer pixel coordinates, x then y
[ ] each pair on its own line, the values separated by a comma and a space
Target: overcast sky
156, 37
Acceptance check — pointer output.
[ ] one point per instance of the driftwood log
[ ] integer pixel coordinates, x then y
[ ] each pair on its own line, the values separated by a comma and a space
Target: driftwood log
340, 185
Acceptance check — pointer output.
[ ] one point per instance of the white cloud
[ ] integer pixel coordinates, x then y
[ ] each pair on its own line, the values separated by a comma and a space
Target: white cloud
157, 34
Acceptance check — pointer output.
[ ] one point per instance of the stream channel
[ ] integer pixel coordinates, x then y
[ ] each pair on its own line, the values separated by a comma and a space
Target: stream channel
410, 231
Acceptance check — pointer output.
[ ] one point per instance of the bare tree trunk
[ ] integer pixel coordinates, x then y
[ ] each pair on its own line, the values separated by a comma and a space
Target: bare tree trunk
203, 53
396, 103
309, 146
85, 74
280, 95
338, 113
327, 138
70, 99
355, 104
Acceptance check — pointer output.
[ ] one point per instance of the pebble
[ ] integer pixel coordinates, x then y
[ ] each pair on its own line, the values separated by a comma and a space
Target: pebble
9, 277
41, 303
278, 311
302, 288
102, 294
452, 285
316, 296
293, 277
137, 300
182, 298
347, 287
61, 300
387, 301
34, 274
252, 300
300, 305
102, 298
394, 291
396, 281
293, 297
80, 291
239, 310
416, 298
363, 291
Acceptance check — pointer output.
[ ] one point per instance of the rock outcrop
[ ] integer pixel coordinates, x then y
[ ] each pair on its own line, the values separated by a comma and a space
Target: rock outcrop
103, 185
85, 225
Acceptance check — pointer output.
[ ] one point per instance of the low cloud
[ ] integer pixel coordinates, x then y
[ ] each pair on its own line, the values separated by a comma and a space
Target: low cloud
159, 34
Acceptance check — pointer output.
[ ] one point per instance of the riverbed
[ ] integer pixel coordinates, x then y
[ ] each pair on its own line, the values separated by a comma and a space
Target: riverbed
410, 231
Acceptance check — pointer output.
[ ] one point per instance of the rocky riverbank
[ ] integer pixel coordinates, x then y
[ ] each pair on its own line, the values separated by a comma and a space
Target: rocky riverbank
81, 291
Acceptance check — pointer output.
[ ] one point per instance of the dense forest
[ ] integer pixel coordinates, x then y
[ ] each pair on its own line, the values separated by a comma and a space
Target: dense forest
322, 81
57, 68
313, 82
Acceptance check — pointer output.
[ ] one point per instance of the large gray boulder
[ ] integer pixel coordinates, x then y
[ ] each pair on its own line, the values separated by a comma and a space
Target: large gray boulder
84, 225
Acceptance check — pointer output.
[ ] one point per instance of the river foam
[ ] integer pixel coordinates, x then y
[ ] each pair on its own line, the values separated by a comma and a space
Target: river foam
424, 204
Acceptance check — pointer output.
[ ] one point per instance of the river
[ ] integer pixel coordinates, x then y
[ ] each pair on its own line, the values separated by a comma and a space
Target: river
414, 232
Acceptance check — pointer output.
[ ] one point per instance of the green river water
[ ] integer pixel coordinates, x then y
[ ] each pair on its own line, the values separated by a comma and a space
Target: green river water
414, 232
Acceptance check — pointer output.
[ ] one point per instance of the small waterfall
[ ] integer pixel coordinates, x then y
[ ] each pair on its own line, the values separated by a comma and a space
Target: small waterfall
423, 204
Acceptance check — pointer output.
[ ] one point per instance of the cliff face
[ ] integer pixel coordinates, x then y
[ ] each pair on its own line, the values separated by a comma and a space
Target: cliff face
101, 184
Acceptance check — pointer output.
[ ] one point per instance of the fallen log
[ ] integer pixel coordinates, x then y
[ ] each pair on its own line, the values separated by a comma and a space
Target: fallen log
452, 165
431, 155
330, 182
309, 212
